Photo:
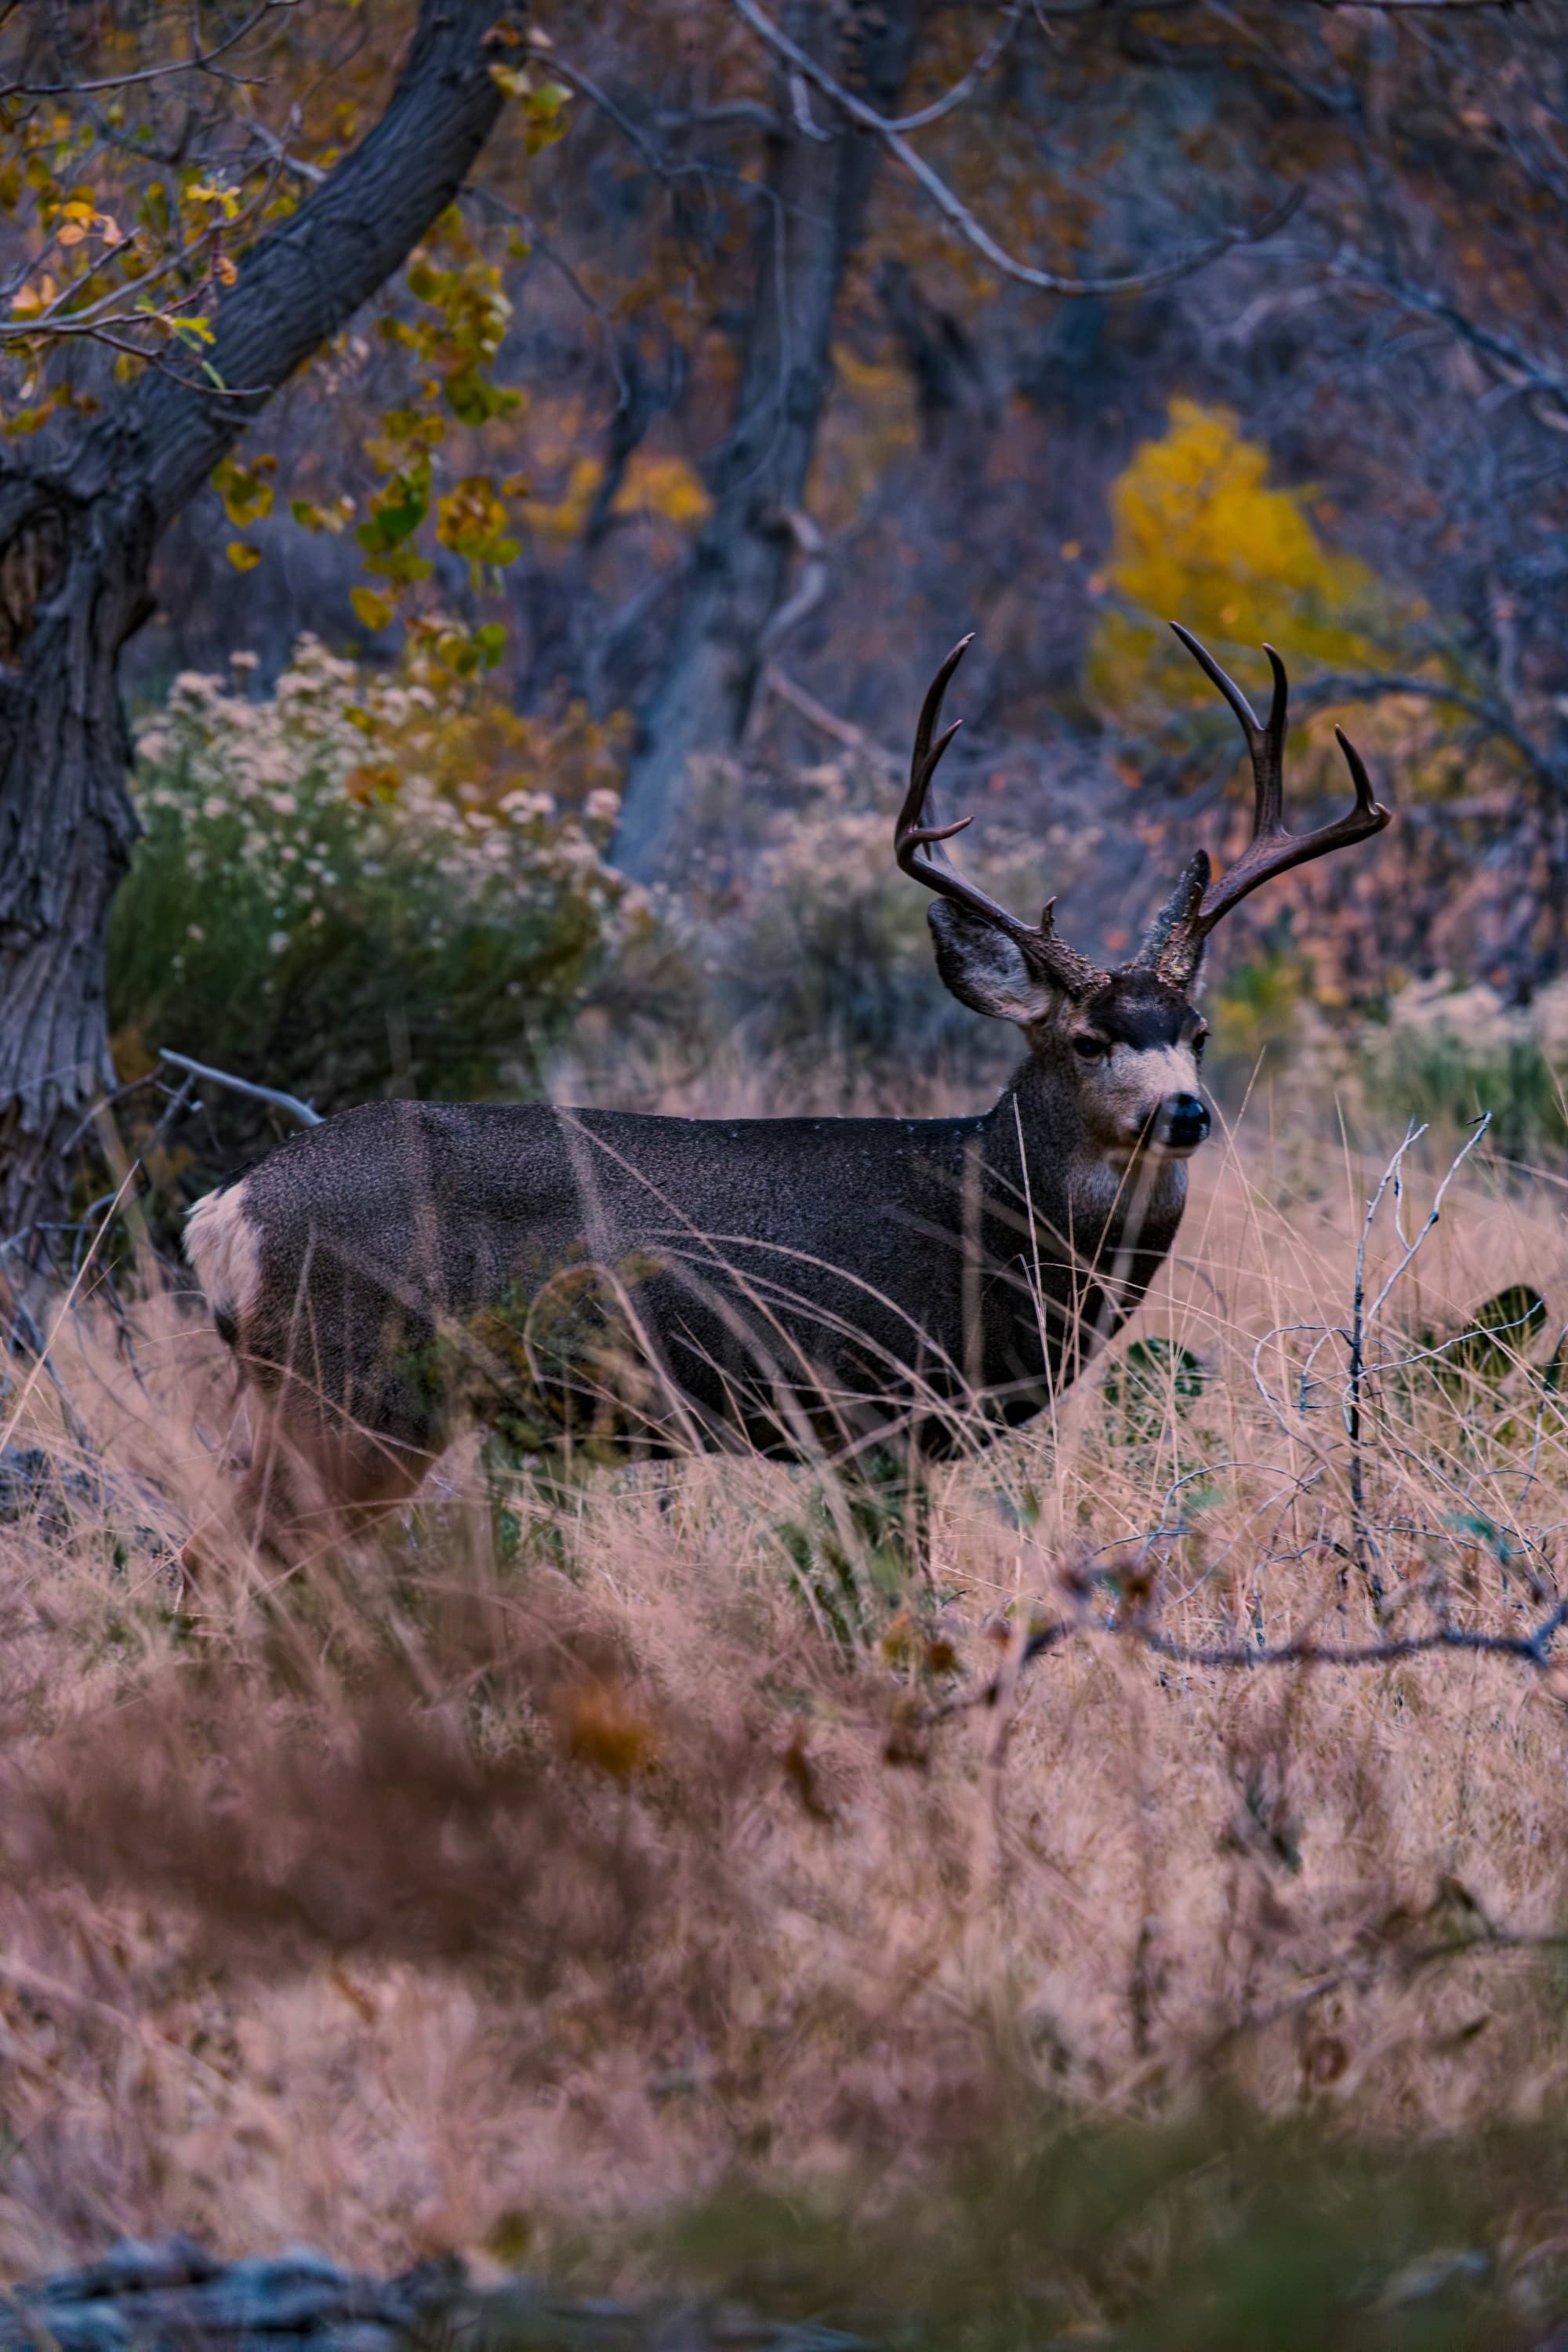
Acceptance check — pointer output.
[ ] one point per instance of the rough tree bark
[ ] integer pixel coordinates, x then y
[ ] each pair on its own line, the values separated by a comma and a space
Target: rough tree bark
77, 534
810, 211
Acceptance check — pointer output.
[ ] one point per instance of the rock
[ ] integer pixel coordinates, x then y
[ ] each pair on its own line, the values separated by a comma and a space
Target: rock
173, 2296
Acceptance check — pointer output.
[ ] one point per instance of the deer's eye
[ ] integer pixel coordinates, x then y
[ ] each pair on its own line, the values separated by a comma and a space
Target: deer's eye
1091, 1049
1199, 1041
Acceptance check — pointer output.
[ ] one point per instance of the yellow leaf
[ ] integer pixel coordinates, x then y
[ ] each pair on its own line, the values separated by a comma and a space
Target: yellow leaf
33, 298
243, 557
72, 234
225, 269
374, 611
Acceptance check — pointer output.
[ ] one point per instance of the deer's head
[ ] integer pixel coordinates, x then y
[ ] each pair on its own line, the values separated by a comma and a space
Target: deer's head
1127, 1041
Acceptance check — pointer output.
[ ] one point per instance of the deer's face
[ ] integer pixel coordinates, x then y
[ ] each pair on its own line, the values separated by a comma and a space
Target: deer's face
1124, 1052
1123, 1045
1132, 1050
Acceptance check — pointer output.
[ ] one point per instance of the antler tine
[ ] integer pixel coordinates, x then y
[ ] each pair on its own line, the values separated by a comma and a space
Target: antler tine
1365, 804
909, 834
1275, 852
1265, 737
1175, 944
931, 711
1062, 964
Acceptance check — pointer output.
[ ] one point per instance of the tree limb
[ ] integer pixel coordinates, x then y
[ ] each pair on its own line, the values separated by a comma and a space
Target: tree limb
280, 1101
1011, 18
1371, 686
1519, 368
958, 215
304, 282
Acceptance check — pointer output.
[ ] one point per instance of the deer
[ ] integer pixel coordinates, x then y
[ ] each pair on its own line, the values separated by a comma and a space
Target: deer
818, 1288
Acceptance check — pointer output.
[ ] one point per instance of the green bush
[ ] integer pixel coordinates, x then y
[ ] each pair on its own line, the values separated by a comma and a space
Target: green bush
1445, 1055
318, 905
1441, 1079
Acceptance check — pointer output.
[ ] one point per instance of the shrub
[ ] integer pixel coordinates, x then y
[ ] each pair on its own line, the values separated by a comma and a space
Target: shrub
1445, 1055
828, 958
357, 883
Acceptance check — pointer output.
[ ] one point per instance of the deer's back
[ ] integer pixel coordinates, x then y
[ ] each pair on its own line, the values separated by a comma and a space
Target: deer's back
345, 1252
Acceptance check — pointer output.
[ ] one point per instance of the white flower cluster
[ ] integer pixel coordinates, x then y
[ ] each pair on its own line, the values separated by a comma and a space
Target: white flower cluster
336, 770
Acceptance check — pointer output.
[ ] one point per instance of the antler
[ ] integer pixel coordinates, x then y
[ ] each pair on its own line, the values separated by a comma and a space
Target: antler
1062, 966
1174, 944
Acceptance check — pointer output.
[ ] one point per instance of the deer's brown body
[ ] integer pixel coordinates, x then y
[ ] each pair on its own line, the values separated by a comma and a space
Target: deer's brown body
835, 1276
795, 1283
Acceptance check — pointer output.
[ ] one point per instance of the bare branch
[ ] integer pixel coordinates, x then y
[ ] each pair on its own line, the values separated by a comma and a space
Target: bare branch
1370, 686
961, 219
775, 681
968, 82
1516, 366
289, 1103
1531, 1649
198, 61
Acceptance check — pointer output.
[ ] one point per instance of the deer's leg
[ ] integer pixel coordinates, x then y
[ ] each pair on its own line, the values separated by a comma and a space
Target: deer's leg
364, 1473
308, 1479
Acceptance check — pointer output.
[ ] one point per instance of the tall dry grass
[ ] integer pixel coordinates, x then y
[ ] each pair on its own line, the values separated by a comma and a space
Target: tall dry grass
564, 1854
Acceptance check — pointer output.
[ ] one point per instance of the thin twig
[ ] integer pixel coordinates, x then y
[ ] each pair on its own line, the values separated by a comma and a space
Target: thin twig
1391, 1175
289, 1103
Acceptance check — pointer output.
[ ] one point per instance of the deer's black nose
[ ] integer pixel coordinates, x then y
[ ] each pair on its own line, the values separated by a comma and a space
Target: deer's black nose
1186, 1121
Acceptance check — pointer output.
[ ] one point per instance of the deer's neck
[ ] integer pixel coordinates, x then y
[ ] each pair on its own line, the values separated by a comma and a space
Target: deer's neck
1040, 1155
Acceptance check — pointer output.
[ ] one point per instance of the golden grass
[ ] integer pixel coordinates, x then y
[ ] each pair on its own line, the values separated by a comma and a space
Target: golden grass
559, 1856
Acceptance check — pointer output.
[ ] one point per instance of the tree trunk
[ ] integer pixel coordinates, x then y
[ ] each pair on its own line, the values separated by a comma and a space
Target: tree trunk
818, 177
77, 535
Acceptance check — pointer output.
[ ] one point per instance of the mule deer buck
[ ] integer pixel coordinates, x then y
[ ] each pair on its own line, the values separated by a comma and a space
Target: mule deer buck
811, 1286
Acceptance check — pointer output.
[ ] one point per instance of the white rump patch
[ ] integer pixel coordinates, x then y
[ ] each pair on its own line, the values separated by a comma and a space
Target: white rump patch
224, 1246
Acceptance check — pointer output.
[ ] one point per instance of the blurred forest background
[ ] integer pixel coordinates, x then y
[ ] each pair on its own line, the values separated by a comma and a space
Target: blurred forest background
533, 671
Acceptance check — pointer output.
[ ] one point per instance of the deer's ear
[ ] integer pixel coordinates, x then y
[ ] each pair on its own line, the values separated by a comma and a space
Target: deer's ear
984, 968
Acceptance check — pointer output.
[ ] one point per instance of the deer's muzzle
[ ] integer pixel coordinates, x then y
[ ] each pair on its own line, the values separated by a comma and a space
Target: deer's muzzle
1183, 1123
